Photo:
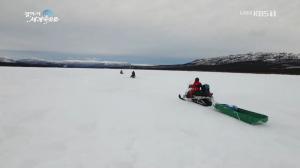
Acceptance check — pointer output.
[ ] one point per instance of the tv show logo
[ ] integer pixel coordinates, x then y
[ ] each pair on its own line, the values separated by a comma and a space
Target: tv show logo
259, 13
44, 17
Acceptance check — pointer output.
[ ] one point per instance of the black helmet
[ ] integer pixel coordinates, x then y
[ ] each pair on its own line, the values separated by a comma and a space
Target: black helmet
197, 79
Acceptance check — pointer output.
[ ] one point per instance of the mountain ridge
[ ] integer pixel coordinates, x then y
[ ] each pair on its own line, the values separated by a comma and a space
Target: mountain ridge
258, 62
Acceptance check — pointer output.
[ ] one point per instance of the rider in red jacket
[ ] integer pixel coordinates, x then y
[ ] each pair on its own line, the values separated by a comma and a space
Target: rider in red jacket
196, 86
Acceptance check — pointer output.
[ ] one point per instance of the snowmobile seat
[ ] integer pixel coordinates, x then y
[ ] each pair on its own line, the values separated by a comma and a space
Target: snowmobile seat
205, 90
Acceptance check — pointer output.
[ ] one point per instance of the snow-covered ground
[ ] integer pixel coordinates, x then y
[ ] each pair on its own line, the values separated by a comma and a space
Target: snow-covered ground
80, 118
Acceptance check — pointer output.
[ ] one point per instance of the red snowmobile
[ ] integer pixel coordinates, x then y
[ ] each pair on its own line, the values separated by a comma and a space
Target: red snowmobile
202, 96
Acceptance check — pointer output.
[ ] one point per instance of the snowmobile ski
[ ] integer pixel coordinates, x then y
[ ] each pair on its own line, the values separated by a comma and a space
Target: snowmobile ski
202, 100
180, 97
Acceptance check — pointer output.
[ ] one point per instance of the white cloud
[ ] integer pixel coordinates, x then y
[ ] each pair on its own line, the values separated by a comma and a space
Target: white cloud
157, 27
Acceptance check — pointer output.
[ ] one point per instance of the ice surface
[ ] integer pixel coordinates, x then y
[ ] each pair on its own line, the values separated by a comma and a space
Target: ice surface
79, 118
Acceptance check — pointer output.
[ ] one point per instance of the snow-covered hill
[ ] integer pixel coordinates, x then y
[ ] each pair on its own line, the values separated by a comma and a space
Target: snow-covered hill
64, 63
259, 56
268, 63
6, 60
98, 118
94, 62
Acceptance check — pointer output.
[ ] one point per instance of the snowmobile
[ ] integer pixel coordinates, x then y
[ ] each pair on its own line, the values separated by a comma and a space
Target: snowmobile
132, 74
203, 97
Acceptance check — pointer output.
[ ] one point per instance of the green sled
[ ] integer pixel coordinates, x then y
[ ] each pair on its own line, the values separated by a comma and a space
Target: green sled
242, 114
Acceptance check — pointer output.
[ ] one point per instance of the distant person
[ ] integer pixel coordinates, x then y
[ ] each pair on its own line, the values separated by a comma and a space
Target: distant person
132, 74
121, 72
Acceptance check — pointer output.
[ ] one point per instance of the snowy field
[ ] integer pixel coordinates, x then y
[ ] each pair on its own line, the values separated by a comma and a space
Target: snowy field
82, 118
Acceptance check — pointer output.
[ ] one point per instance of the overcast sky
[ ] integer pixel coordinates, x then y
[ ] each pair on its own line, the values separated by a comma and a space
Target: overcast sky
148, 28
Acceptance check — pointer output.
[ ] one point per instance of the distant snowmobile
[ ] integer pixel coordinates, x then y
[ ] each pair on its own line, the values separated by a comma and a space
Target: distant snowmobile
201, 96
132, 74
